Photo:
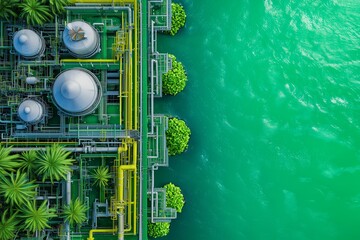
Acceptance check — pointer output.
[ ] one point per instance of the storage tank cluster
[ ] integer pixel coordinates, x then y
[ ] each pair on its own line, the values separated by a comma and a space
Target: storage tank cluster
75, 92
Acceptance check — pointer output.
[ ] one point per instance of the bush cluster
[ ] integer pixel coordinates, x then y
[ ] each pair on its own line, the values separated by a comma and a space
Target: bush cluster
178, 18
160, 229
174, 81
177, 136
174, 197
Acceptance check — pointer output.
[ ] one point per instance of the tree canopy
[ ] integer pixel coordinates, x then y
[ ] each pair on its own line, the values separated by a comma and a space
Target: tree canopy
174, 197
101, 176
7, 9
8, 226
58, 6
174, 81
177, 136
35, 12
36, 218
8, 163
16, 188
75, 212
160, 229
54, 163
28, 161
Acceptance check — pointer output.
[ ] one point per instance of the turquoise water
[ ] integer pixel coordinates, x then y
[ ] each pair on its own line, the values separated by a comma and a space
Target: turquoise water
273, 101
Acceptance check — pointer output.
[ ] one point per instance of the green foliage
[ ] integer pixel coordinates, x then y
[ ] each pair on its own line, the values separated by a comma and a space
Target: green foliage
177, 136
58, 6
7, 9
75, 212
102, 176
36, 219
7, 226
178, 18
7, 162
17, 189
174, 197
54, 163
160, 229
35, 12
28, 161
174, 81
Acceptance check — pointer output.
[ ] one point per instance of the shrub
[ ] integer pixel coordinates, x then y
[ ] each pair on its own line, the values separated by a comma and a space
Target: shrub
160, 229
174, 197
174, 81
178, 18
177, 136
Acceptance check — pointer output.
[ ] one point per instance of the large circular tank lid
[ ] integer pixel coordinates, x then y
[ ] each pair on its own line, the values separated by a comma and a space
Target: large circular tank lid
28, 43
31, 111
76, 92
81, 39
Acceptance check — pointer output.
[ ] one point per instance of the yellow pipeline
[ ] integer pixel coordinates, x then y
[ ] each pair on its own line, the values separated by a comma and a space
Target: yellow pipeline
121, 149
136, 64
88, 60
92, 231
121, 171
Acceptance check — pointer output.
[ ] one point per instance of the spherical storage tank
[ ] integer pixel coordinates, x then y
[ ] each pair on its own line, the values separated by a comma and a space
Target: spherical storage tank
76, 92
81, 39
31, 111
28, 43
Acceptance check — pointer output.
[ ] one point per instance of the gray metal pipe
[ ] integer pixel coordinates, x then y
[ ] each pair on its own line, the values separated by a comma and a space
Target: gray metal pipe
103, 8
68, 200
141, 130
121, 226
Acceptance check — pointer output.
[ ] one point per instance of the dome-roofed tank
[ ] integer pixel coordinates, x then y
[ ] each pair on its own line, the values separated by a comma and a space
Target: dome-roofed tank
76, 92
28, 43
31, 111
81, 39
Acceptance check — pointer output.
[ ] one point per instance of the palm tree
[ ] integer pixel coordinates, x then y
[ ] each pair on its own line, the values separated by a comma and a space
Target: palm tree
8, 226
75, 212
28, 161
102, 176
17, 189
54, 163
7, 162
7, 9
58, 6
36, 219
35, 12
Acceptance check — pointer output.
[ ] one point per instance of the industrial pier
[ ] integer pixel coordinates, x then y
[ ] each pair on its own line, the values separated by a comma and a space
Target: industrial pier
87, 81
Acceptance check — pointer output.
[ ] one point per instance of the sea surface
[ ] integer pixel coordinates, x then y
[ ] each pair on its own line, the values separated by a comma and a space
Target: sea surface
273, 102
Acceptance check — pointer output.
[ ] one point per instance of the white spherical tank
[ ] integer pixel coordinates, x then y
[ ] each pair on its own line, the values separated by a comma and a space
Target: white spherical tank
28, 43
81, 39
76, 92
31, 111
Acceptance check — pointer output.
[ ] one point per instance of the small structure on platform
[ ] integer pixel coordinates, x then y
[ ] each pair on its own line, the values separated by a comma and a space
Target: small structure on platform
81, 39
77, 92
31, 111
28, 43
